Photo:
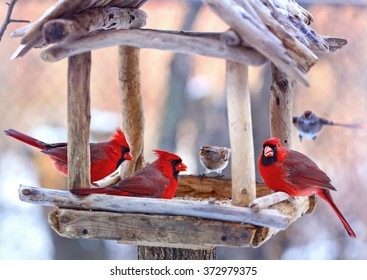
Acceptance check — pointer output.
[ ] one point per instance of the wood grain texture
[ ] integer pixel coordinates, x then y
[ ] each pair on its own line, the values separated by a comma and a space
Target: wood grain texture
178, 213
141, 229
304, 206
181, 42
131, 107
281, 105
78, 100
245, 19
32, 33
81, 24
240, 134
178, 207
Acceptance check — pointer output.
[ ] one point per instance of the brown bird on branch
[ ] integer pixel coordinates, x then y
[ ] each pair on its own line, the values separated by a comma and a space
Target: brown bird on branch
309, 125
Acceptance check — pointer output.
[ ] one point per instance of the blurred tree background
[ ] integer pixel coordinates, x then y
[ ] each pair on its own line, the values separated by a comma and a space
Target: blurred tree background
185, 107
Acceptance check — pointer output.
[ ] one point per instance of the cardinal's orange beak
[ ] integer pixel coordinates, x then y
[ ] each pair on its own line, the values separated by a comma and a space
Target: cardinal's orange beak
181, 167
128, 156
268, 152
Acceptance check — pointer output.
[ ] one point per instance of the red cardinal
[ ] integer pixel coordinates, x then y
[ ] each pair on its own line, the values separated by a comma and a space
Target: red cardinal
105, 156
157, 180
294, 173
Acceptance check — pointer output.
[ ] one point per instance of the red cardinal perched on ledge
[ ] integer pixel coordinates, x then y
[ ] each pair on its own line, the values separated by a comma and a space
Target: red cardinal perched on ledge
157, 180
296, 174
105, 156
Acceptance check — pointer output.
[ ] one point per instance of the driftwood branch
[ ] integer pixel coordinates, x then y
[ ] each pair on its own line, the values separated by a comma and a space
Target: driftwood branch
192, 222
175, 207
334, 43
182, 42
281, 102
242, 17
8, 18
131, 107
80, 25
79, 68
32, 34
240, 134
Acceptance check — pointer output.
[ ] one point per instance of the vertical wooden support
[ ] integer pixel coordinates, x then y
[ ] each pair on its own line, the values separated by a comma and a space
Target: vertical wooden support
79, 120
281, 102
133, 126
132, 107
240, 132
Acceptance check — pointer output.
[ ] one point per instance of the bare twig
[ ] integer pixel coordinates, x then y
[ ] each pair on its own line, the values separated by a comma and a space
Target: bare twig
8, 18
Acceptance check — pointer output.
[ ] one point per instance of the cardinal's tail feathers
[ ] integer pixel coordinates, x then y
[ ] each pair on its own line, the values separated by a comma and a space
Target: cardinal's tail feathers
327, 197
26, 139
111, 190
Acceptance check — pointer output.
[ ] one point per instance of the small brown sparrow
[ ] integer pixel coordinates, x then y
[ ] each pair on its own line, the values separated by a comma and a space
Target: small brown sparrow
310, 125
214, 159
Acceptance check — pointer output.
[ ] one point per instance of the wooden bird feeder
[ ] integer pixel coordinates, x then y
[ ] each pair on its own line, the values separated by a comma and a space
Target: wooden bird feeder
206, 212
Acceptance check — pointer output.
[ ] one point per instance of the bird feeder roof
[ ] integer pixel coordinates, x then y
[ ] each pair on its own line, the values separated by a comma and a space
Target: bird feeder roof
278, 30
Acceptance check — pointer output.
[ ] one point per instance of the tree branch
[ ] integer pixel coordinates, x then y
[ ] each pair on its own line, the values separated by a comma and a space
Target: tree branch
8, 18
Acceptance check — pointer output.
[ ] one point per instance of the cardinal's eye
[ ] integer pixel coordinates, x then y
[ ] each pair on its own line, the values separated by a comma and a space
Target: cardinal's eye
175, 161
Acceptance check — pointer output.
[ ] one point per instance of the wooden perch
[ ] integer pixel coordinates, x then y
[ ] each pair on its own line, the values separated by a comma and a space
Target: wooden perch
182, 42
79, 25
268, 201
179, 222
175, 207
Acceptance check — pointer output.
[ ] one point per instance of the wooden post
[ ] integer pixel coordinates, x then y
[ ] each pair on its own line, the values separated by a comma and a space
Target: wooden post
133, 126
131, 107
79, 121
240, 132
281, 102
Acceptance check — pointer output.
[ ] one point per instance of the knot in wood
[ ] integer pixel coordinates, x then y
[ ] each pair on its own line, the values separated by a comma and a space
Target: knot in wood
26, 192
244, 191
65, 219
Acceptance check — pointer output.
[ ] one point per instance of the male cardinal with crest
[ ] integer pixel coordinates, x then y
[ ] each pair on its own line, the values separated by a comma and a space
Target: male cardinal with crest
157, 180
294, 173
105, 157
